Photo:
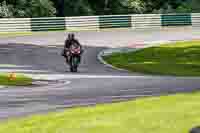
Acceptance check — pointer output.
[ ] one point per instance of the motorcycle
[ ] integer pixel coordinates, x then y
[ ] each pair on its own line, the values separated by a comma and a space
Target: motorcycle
73, 57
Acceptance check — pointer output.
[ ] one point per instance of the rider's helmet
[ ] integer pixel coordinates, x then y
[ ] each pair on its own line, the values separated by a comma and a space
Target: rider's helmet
72, 36
69, 36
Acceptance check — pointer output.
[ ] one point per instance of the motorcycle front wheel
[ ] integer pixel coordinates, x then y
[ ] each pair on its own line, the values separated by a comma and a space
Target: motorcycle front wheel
73, 69
74, 64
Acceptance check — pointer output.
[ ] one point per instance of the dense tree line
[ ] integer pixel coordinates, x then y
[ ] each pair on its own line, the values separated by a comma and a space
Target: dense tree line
41, 8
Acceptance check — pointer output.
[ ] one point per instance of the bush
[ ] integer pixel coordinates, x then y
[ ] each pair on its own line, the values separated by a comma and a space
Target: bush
23, 8
42, 8
6, 11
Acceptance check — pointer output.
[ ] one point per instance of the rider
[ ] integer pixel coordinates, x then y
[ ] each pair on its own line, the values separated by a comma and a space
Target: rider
68, 43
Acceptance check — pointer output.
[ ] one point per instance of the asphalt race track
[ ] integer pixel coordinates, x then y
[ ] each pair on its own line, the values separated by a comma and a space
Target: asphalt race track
94, 83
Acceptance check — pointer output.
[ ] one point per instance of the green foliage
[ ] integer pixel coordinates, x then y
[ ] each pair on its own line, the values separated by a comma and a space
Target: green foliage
135, 6
41, 8
184, 8
6, 11
77, 8
24, 8
195, 5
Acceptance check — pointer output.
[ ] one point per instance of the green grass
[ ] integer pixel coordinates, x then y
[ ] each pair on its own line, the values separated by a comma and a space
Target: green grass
29, 33
20, 80
166, 114
14, 34
179, 59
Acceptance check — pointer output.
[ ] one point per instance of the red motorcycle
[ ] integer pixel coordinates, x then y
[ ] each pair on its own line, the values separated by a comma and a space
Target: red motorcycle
73, 57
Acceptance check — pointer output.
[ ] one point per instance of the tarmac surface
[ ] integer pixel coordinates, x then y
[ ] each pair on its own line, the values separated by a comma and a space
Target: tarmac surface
39, 54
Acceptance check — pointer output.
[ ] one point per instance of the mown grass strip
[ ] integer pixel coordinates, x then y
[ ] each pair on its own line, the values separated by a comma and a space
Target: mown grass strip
179, 59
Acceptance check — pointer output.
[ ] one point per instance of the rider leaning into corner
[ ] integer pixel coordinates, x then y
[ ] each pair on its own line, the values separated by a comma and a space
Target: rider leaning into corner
68, 43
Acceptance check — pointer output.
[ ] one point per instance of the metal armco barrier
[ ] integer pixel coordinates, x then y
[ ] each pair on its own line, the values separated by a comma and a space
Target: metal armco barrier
82, 23
195, 19
15, 24
135, 21
176, 19
47, 24
143, 21
115, 21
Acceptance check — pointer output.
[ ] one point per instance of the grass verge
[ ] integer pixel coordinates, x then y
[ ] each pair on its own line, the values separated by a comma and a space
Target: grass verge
179, 59
14, 34
29, 33
17, 80
166, 114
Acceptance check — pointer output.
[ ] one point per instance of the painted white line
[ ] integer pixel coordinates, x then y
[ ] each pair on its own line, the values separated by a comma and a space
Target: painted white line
104, 76
40, 83
100, 58
67, 82
60, 86
57, 86
71, 76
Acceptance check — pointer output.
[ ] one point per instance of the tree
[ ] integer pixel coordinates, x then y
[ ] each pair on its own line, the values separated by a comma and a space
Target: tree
194, 4
163, 6
184, 8
134, 6
41, 8
6, 11
31, 8
59, 5
47, 8
77, 8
